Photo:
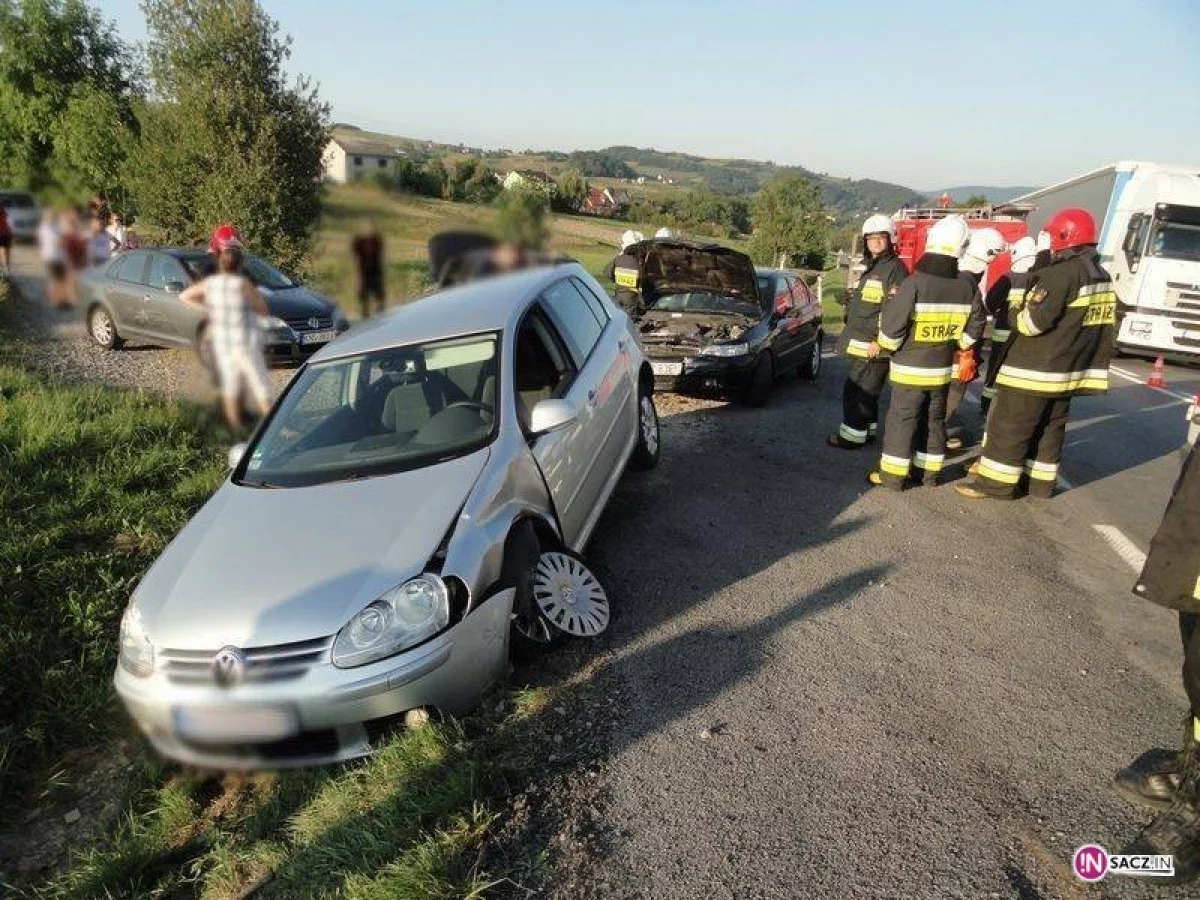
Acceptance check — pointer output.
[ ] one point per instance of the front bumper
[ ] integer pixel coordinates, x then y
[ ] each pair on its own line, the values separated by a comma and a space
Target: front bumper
703, 374
283, 345
327, 715
1176, 336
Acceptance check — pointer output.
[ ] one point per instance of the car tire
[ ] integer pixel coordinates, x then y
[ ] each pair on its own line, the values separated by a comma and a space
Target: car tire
531, 633
811, 367
761, 381
103, 328
649, 441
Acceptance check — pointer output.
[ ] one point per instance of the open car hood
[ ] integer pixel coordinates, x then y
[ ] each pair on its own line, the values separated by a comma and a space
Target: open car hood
677, 267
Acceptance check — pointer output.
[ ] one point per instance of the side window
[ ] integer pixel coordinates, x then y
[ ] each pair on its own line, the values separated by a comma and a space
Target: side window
542, 368
164, 269
129, 267
801, 295
783, 295
593, 302
574, 320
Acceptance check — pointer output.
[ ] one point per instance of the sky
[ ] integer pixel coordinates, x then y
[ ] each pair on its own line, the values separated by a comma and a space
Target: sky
927, 94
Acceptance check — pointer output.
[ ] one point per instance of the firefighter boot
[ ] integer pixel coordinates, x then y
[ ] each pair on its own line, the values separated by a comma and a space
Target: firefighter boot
1153, 779
1176, 832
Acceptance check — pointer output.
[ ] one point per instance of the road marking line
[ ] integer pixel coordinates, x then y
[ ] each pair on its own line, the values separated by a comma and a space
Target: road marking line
1136, 379
1096, 420
1126, 549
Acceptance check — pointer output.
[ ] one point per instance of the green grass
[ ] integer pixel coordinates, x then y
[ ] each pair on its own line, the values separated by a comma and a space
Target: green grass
93, 483
407, 223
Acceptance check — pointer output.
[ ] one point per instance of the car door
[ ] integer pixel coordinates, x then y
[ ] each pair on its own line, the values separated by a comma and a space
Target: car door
579, 461
805, 317
169, 317
124, 287
783, 323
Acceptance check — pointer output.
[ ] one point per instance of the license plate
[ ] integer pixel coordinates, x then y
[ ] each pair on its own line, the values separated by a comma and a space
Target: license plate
1141, 328
667, 368
318, 337
236, 723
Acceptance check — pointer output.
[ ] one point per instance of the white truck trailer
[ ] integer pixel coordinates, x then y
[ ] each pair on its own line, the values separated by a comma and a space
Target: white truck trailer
1149, 220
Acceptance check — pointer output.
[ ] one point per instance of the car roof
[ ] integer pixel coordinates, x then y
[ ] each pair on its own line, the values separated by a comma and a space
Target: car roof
490, 304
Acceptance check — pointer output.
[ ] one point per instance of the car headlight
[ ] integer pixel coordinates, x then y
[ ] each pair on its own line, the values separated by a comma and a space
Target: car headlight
726, 350
401, 618
137, 653
269, 323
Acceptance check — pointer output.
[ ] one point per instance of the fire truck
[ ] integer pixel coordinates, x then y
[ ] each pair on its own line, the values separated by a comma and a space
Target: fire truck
912, 225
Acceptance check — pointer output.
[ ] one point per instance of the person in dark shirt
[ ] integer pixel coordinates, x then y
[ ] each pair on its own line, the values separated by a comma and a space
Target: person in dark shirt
367, 248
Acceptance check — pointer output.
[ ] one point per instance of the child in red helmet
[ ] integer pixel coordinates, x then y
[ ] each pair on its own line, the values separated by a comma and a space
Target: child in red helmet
232, 301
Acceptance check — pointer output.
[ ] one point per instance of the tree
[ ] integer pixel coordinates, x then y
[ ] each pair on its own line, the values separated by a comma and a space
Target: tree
228, 137
976, 200
789, 222
67, 86
571, 192
522, 219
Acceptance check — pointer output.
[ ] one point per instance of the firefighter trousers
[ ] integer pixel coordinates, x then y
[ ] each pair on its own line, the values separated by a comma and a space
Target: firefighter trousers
995, 359
914, 436
1024, 439
860, 399
1189, 632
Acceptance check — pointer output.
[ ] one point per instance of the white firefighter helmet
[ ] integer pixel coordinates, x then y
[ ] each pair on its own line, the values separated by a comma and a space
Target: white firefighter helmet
631, 237
1024, 252
880, 224
664, 232
984, 246
948, 236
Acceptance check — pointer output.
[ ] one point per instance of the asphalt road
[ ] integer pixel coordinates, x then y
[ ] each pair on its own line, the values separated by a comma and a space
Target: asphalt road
814, 688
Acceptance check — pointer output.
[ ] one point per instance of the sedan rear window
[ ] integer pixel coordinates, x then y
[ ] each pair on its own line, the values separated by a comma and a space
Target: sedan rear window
383, 412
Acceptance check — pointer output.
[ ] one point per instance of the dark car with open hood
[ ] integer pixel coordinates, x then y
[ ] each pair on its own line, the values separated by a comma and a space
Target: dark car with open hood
711, 323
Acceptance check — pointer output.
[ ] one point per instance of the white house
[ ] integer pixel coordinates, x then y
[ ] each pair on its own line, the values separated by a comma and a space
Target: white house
528, 178
349, 156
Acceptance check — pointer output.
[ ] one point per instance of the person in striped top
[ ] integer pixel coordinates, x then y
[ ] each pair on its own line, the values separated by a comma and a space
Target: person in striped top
233, 305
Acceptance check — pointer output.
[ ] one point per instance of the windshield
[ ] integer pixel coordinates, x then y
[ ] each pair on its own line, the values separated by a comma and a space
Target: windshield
705, 302
258, 270
16, 201
379, 413
1173, 240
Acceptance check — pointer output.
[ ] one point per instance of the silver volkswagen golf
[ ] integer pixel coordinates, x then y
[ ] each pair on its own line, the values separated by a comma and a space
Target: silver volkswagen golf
414, 504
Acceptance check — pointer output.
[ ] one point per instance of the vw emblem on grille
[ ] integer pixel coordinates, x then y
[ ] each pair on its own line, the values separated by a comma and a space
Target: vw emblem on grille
229, 665
314, 322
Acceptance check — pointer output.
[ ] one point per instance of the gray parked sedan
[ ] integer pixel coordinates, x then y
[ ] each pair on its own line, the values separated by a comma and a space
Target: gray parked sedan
413, 505
136, 296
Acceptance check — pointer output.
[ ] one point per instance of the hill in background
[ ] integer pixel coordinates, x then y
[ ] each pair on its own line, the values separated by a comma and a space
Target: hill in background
995, 194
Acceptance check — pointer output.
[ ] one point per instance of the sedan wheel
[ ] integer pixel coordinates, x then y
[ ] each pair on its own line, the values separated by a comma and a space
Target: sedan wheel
811, 367
649, 442
103, 330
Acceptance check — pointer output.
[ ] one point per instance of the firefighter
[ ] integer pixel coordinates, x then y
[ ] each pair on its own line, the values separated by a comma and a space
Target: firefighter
931, 316
864, 382
1061, 348
985, 245
1171, 578
1005, 300
624, 271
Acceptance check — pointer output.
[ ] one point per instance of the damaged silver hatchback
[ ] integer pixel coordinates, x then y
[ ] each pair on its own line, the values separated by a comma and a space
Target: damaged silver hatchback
413, 506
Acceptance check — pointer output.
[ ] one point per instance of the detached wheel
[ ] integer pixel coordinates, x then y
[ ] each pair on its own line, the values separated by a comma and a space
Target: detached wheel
649, 442
103, 329
761, 381
811, 367
557, 596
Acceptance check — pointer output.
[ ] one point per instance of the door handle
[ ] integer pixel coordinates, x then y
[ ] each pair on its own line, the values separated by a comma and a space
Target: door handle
621, 345
592, 395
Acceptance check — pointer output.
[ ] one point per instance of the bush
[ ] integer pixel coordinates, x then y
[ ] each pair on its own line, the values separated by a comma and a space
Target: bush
522, 219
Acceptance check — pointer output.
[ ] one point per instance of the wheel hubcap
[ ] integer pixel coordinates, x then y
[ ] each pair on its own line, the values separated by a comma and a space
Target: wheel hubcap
649, 425
101, 327
569, 596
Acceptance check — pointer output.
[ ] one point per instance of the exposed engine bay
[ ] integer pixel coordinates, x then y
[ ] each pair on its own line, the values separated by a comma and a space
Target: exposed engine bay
690, 330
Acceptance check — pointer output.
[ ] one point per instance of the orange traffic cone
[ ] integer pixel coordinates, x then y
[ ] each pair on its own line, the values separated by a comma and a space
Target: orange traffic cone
1156, 376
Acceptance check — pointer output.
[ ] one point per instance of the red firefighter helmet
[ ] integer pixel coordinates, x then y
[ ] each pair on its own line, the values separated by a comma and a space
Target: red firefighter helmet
225, 237
1072, 227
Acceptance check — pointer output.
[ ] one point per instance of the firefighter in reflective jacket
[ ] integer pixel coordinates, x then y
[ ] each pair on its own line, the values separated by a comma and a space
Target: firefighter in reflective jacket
1062, 348
1004, 302
1171, 578
624, 271
933, 314
867, 376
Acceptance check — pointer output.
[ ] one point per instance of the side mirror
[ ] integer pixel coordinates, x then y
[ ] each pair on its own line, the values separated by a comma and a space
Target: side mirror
550, 415
173, 287
236, 452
